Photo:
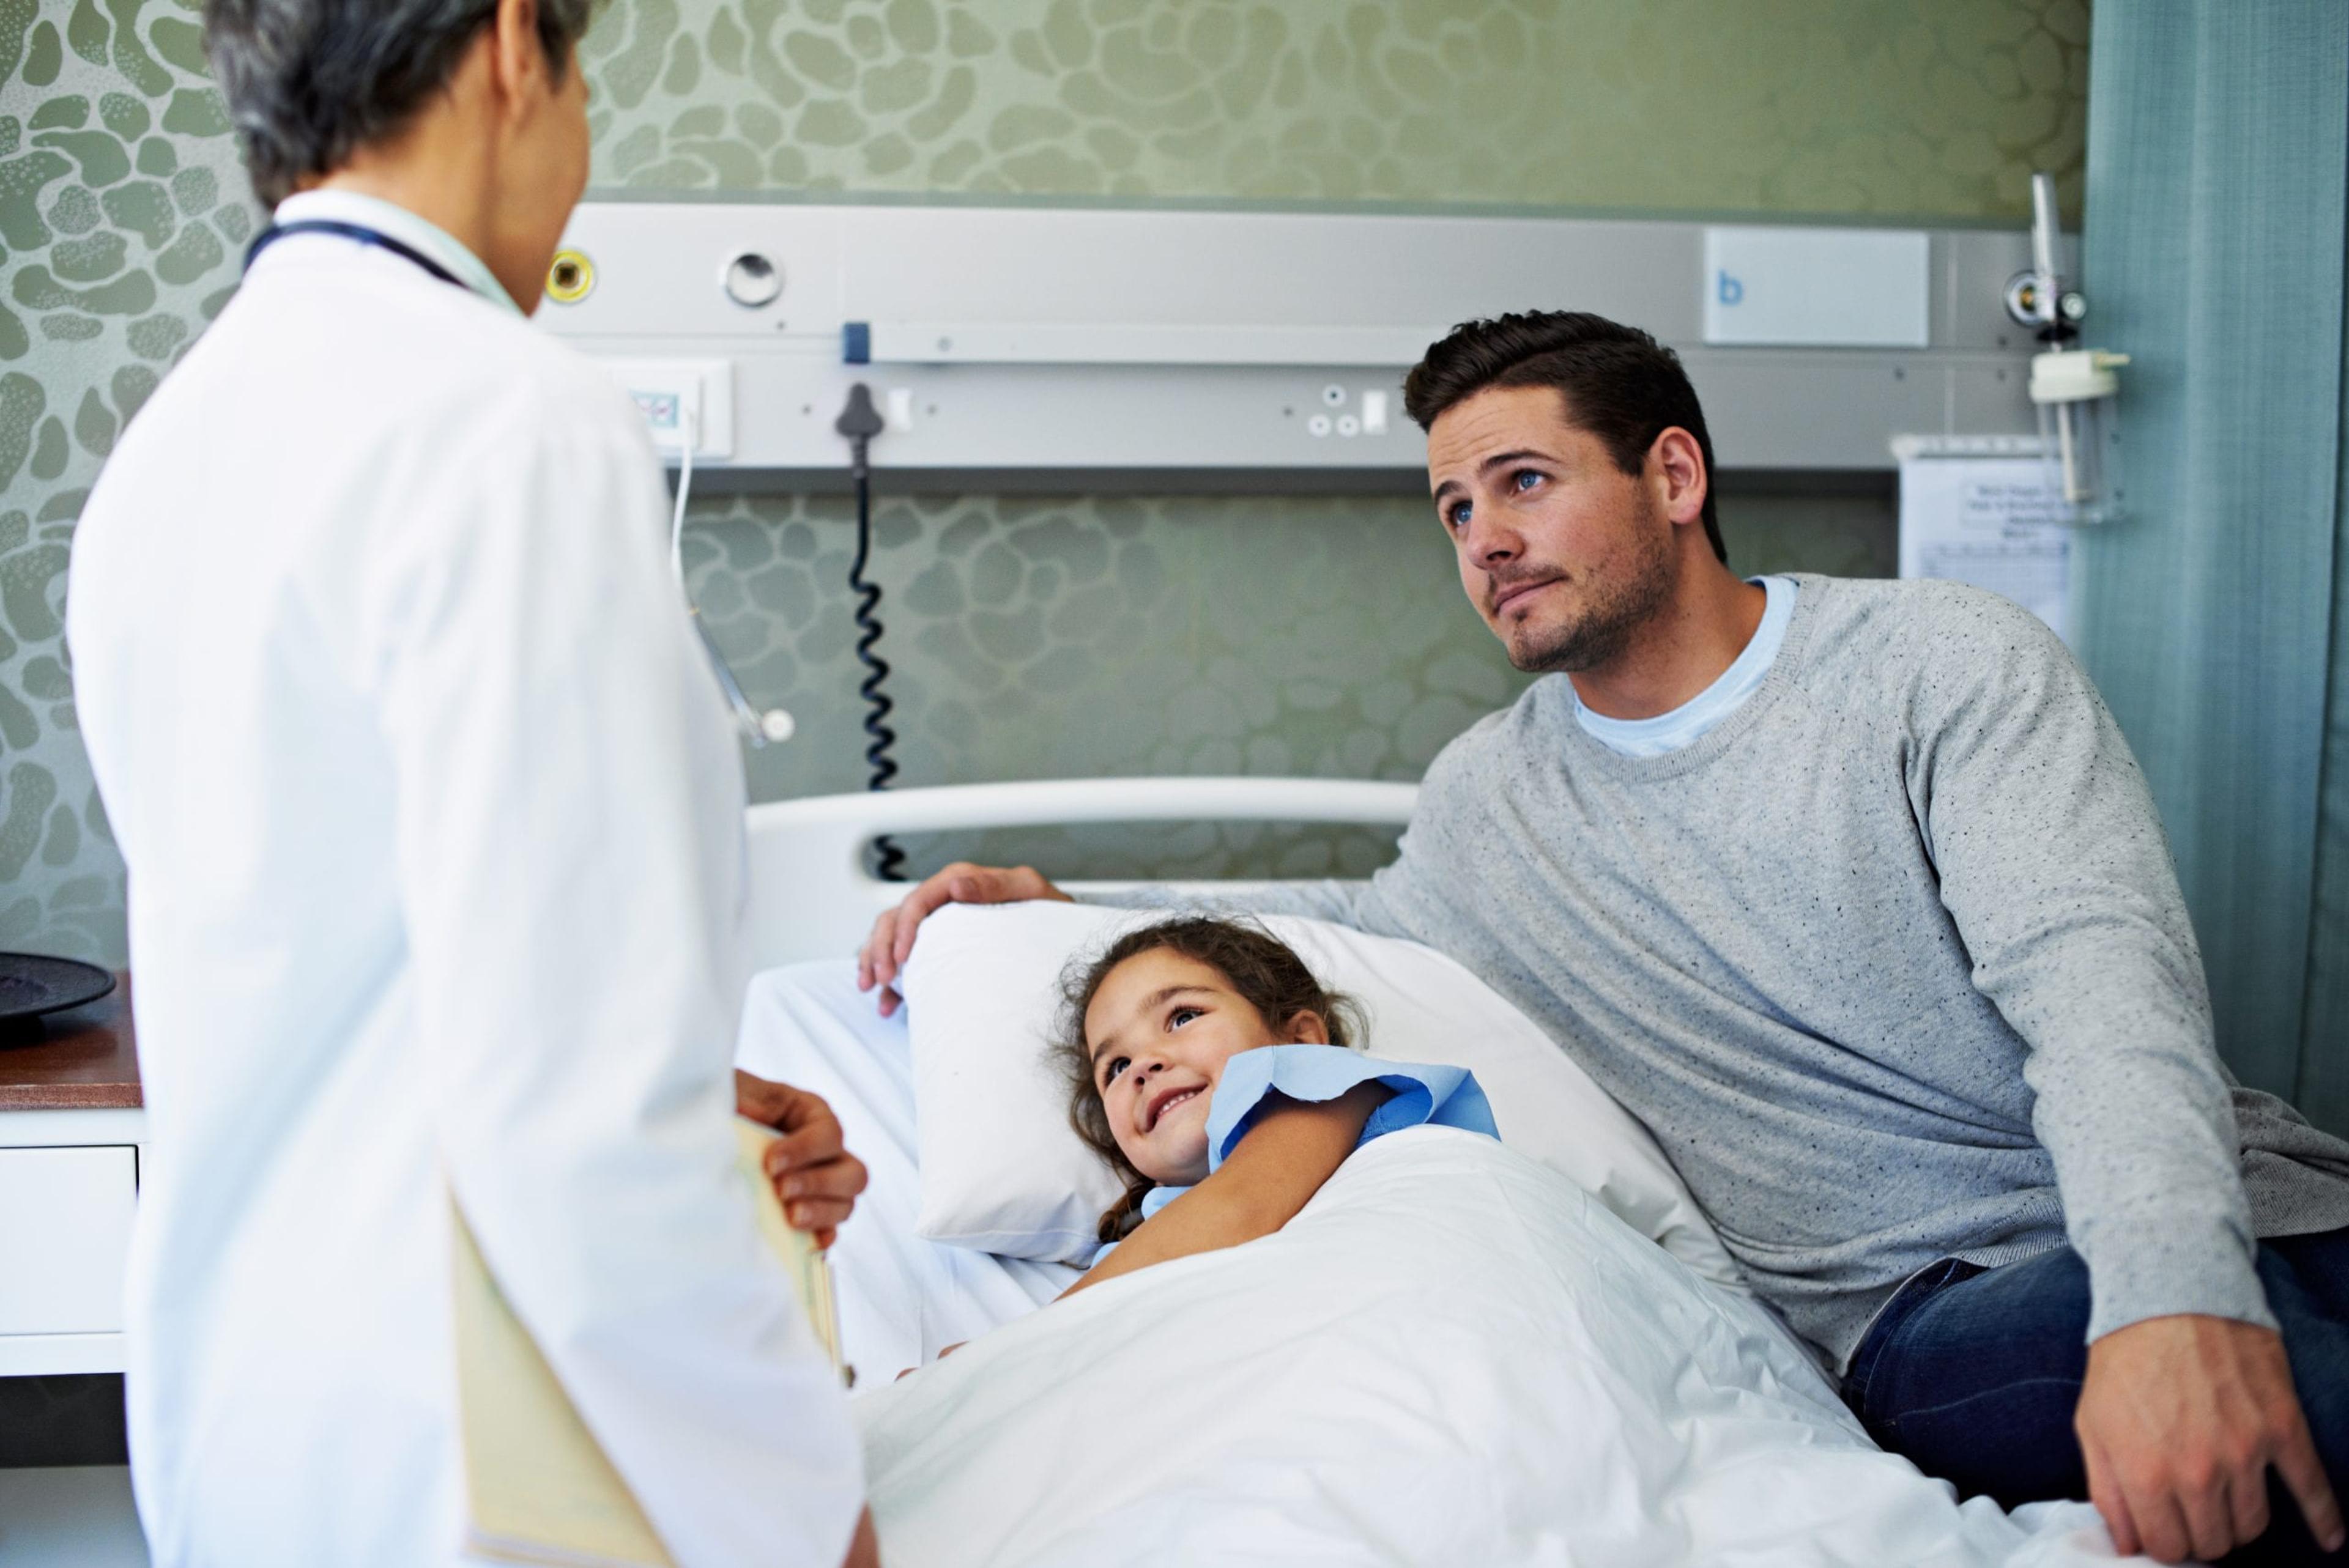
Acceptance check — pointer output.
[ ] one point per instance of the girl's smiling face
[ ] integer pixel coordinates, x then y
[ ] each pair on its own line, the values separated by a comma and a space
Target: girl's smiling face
1160, 1028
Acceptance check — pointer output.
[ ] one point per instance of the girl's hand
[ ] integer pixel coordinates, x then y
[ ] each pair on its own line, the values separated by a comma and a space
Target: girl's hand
814, 1176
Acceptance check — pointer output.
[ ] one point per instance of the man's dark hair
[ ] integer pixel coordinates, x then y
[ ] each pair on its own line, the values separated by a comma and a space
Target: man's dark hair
309, 82
1619, 383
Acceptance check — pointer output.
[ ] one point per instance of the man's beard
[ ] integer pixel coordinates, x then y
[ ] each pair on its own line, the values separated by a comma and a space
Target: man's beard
1616, 610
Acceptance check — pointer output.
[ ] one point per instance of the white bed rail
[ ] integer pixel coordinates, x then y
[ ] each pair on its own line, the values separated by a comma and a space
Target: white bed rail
811, 896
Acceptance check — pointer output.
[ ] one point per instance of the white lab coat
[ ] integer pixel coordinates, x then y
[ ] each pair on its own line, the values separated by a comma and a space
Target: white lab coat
434, 824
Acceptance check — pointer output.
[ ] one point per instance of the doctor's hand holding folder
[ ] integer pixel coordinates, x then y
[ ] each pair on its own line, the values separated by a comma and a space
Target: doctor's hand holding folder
815, 1178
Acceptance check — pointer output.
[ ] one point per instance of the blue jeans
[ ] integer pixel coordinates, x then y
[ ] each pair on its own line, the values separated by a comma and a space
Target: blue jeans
1973, 1373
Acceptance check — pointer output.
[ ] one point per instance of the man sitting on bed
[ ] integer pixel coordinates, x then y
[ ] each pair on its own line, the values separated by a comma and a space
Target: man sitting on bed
1852, 892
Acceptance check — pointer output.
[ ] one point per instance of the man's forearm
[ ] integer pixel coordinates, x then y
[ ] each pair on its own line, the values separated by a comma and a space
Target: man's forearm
2142, 1132
2134, 1112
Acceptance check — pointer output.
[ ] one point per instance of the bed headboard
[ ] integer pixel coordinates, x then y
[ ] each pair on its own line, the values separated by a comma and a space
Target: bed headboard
811, 896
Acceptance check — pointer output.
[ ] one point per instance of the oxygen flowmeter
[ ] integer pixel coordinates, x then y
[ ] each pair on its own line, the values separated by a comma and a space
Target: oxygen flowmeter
2072, 388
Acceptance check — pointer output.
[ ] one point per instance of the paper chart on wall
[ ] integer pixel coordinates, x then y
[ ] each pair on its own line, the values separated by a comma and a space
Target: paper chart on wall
1988, 518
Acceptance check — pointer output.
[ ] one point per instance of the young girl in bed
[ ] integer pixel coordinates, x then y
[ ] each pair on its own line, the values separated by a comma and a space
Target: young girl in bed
1212, 1071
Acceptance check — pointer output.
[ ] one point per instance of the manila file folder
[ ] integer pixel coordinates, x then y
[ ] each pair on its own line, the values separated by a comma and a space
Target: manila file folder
539, 1488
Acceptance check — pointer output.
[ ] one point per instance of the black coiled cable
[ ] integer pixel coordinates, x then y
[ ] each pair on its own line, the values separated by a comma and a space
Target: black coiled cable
860, 421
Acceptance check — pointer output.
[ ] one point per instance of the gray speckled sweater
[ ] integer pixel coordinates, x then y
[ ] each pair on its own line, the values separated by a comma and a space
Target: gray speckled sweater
1888, 960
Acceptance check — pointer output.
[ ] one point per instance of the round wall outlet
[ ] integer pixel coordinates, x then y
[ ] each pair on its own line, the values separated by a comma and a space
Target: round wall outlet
571, 278
753, 282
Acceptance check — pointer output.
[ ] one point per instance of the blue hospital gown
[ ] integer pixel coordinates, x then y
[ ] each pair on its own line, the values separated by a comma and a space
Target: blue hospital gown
1424, 1096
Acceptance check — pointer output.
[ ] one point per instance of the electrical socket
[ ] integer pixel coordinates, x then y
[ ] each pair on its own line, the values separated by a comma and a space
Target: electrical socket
678, 394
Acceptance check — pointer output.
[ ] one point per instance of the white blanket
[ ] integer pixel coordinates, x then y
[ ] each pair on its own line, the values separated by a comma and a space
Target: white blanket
1452, 1356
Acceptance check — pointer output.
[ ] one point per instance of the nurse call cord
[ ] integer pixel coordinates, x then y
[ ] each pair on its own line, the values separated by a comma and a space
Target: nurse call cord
860, 421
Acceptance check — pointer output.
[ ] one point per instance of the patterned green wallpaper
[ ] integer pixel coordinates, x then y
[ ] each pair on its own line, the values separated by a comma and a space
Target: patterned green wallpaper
1032, 636
122, 209
1932, 106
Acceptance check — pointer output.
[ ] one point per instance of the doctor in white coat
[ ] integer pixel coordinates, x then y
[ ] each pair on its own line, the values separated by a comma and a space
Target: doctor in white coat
433, 820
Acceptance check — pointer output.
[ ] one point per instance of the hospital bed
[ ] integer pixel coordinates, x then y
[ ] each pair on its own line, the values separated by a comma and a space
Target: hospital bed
1451, 1355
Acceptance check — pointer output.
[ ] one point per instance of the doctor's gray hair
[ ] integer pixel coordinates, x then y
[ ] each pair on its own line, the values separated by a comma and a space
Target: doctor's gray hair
310, 82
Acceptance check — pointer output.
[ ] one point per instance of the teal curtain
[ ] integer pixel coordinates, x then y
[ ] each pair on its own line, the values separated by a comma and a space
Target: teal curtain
2324, 1032
2212, 616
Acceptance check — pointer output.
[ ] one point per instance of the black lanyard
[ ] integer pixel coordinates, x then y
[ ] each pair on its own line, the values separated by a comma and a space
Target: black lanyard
359, 231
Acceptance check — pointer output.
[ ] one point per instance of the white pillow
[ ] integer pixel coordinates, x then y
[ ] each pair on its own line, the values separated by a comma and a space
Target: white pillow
1001, 1170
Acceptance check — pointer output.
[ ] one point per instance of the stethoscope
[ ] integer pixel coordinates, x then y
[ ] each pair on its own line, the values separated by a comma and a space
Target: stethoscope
359, 231
758, 728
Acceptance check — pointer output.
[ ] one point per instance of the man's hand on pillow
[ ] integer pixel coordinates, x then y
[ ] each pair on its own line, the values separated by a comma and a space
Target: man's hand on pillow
892, 941
815, 1177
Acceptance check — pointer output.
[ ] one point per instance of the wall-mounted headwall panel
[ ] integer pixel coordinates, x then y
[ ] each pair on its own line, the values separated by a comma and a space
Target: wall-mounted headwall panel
1088, 340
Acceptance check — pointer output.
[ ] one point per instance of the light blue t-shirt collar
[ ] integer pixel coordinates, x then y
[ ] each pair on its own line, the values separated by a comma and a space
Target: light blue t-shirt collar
395, 222
1668, 732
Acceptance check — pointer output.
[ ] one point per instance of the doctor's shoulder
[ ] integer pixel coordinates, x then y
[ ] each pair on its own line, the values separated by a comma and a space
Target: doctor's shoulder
575, 394
519, 399
147, 467
447, 360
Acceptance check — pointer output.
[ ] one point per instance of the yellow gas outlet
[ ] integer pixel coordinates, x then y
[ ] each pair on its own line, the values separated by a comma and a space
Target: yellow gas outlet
571, 278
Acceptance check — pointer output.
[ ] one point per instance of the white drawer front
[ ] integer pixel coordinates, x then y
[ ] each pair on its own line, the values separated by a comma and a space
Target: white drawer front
65, 1233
